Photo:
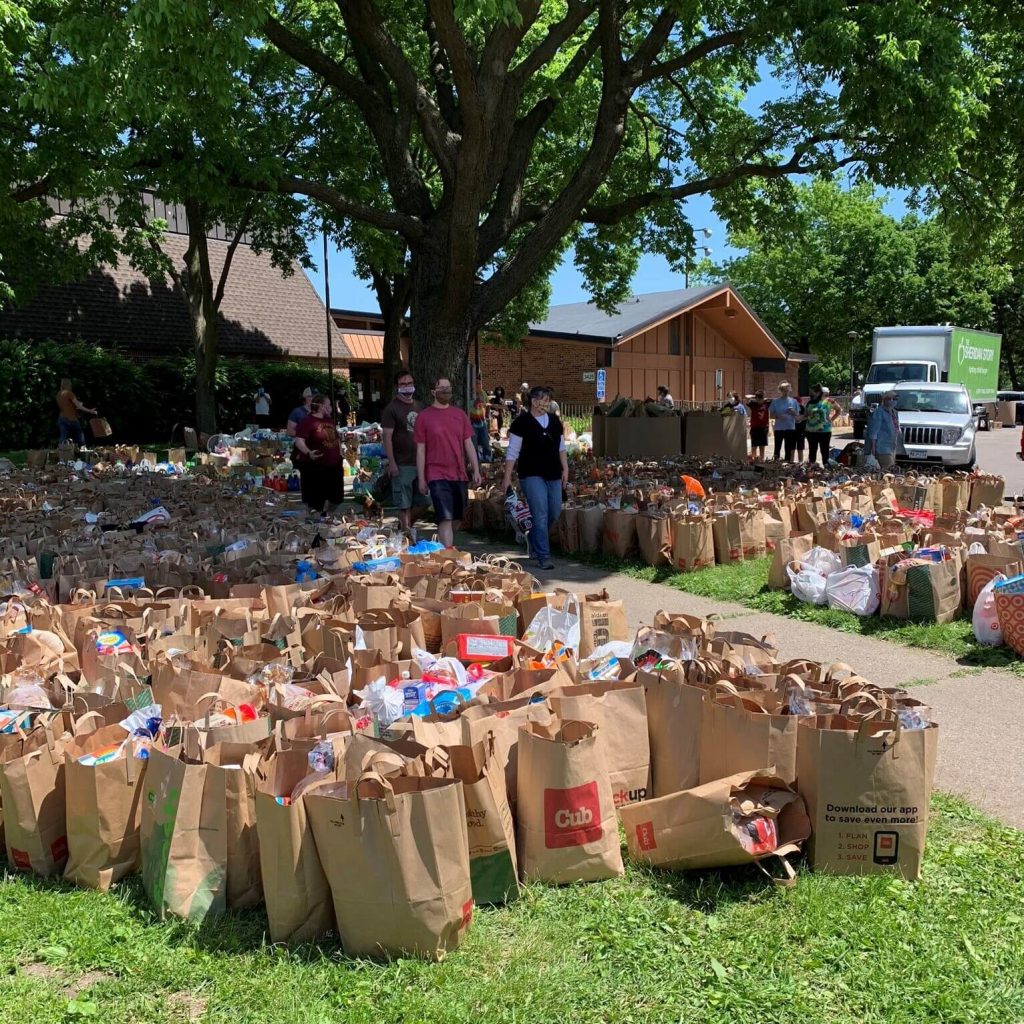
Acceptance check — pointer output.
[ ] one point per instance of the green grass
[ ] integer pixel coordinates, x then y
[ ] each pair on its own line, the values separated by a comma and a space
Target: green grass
746, 583
651, 947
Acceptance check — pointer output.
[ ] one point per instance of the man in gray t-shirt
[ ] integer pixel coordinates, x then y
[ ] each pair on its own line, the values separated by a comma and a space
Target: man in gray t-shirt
784, 411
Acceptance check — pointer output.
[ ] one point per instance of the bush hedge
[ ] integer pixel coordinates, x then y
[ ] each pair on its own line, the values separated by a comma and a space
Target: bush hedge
150, 402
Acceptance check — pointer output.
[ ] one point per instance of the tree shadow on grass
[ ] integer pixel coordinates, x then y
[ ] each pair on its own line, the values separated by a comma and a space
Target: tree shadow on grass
712, 890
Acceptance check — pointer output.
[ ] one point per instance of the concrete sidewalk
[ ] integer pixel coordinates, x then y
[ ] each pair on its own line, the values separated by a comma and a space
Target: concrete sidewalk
980, 713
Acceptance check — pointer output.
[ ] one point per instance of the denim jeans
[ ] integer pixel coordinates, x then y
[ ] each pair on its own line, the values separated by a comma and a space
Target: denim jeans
545, 500
70, 430
482, 438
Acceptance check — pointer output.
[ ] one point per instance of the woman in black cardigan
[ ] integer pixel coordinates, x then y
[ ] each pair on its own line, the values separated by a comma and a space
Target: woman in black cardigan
536, 444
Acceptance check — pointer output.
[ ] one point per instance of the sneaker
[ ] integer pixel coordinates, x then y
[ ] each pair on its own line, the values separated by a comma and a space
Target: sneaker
546, 564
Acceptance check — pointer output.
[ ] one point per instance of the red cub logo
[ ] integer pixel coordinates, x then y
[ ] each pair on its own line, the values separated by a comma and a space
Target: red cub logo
572, 817
645, 836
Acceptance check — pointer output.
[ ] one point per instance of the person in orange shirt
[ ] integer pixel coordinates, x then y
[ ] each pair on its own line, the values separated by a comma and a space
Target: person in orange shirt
68, 407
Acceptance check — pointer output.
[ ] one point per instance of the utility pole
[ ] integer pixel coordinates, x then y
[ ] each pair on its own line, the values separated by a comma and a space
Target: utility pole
330, 324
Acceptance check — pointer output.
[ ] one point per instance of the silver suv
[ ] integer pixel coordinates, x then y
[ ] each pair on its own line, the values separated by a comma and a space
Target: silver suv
937, 424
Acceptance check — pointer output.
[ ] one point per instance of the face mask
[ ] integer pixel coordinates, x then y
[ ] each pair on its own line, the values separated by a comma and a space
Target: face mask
407, 392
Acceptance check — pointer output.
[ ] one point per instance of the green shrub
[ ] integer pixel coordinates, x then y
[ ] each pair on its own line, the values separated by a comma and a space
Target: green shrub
149, 402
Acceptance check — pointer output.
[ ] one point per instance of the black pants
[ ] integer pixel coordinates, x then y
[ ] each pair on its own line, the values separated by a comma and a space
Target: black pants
819, 440
787, 438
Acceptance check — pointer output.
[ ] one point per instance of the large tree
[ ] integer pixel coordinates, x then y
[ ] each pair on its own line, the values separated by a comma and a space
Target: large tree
500, 130
840, 263
55, 151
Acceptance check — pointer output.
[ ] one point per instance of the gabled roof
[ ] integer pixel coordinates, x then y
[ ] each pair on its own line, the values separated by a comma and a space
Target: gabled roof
586, 321
263, 314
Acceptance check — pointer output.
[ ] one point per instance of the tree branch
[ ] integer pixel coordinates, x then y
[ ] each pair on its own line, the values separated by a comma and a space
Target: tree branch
663, 69
240, 229
557, 35
34, 190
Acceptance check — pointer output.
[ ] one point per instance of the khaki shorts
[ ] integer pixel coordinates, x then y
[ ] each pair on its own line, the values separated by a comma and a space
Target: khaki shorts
404, 492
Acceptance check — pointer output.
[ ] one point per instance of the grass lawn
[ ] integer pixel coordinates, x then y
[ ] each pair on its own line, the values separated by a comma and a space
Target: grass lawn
746, 583
657, 947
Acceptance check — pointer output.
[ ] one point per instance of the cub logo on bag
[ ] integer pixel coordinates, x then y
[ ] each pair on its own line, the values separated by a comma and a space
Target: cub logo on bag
572, 817
645, 836
59, 848
467, 914
21, 859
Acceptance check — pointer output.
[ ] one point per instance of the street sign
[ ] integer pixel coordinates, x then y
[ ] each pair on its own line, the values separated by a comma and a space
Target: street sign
602, 383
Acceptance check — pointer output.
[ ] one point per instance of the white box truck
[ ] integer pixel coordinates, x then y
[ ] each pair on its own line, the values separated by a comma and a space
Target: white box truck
928, 355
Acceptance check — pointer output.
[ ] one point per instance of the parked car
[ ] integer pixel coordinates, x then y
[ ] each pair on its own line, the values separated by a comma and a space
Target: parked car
937, 425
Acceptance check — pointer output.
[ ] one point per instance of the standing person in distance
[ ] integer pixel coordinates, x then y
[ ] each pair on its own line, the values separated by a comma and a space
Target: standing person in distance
69, 426
320, 471
735, 403
536, 444
784, 411
444, 444
820, 413
261, 408
758, 426
478, 416
800, 432
664, 398
398, 422
882, 437
300, 412
499, 406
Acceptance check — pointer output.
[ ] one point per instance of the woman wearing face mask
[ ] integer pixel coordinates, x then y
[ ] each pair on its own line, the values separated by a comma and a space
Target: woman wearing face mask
320, 470
820, 414
882, 437
536, 443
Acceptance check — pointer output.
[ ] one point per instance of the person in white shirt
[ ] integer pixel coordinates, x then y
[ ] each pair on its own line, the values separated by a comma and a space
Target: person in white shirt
261, 401
664, 398
536, 443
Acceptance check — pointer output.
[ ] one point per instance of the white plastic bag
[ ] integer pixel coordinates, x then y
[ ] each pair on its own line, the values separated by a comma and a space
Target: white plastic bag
854, 589
987, 630
822, 561
807, 585
551, 624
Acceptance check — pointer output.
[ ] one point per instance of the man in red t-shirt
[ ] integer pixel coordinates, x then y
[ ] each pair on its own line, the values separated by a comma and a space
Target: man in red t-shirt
444, 443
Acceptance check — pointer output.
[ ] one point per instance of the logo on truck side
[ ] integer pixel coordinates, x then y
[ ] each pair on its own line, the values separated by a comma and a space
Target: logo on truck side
966, 351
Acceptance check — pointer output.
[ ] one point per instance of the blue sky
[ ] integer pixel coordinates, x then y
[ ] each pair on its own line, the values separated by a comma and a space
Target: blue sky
654, 274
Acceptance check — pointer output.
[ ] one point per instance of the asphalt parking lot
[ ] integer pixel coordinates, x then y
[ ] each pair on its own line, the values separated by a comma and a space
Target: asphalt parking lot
997, 453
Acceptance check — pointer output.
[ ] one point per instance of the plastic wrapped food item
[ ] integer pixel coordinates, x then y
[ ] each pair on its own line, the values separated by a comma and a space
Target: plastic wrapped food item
757, 833
383, 701
914, 716
273, 675
140, 745
233, 716
294, 697
321, 757
28, 694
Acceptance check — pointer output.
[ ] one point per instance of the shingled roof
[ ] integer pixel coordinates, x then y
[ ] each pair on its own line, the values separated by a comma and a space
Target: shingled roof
263, 314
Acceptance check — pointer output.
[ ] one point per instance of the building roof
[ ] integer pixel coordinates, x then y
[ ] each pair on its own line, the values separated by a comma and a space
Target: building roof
586, 321
363, 346
263, 314
719, 304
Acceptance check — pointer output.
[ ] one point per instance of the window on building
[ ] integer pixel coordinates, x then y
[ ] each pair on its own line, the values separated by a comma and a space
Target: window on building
604, 357
673, 337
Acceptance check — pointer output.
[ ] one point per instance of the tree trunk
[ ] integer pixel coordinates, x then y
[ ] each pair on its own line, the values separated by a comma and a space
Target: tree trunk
438, 349
393, 299
197, 282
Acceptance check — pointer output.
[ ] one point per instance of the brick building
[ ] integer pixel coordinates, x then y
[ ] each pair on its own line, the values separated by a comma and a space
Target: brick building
699, 342
263, 315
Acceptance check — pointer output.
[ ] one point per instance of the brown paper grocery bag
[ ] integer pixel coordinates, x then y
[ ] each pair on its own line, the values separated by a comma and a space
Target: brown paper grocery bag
601, 621
692, 543
673, 724
298, 898
867, 785
789, 549
987, 490
104, 810
567, 828
32, 795
654, 538
725, 528
590, 520
702, 827
620, 712
744, 732
569, 530
490, 828
618, 537
396, 855
752, 532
